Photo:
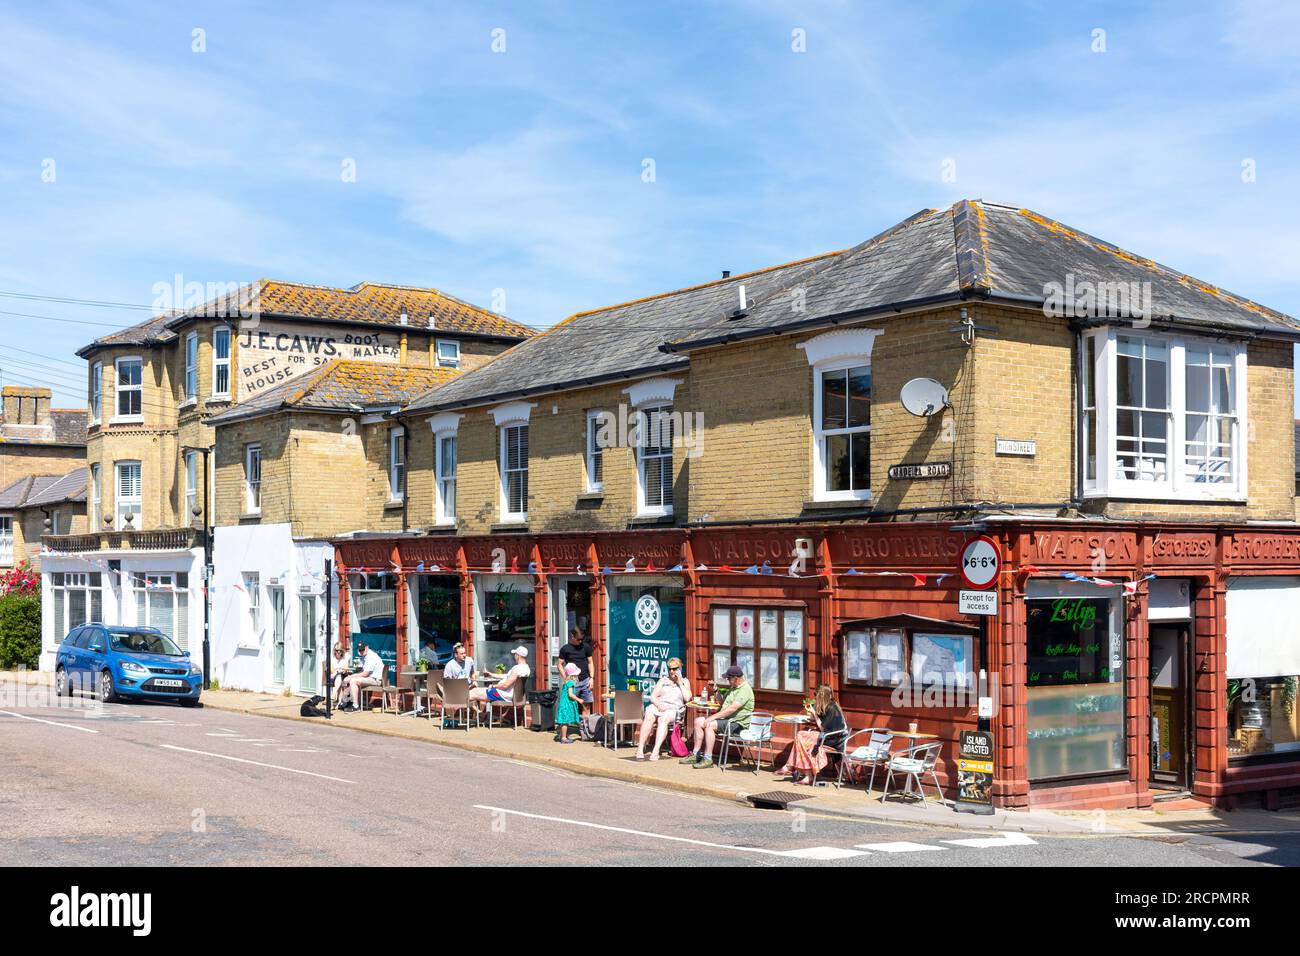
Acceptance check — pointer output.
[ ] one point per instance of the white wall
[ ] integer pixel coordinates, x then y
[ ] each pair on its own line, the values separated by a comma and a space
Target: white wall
243, 658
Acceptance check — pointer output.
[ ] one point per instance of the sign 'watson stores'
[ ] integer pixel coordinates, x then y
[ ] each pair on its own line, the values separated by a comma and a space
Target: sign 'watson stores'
273, 353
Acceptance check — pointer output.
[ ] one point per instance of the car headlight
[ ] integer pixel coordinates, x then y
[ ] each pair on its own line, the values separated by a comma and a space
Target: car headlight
195, 672
131, 667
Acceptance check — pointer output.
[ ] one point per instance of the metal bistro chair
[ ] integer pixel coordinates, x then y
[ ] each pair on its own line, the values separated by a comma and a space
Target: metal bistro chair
875, 751
914, 763
755, 737
628, 709
454, 695
518, 700
833, 741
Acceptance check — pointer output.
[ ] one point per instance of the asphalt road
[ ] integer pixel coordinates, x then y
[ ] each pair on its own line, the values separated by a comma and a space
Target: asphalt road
156, 784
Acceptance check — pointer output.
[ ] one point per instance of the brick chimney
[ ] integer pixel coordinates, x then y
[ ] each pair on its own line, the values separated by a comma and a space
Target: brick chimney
27, 406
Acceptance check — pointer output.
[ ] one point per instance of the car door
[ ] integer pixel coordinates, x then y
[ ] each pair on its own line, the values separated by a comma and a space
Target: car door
70, 656
94, 641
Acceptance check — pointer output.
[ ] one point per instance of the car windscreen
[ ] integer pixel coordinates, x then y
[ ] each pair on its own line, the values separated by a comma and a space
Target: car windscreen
141, 642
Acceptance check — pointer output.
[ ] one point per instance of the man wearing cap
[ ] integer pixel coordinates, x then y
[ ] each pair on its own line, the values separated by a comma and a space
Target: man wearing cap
503, 690
732, 718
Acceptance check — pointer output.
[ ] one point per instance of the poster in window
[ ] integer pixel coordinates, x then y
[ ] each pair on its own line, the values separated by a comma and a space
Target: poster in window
1069, 642
889, 657
940, 659
745, 661
744, 628
721, 661
770, 671
793, 630
767, 628
857, 656
721, 627
794, 672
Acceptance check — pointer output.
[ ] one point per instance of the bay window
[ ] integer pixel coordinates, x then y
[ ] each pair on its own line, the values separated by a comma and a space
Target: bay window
1160, 416
221, 362
130, 388
129, 495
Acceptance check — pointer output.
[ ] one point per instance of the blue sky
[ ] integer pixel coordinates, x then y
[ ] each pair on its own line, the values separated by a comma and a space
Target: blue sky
522, 170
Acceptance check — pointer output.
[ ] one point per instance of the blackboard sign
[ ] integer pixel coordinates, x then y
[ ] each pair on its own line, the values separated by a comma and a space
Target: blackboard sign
975, 772
1068, 641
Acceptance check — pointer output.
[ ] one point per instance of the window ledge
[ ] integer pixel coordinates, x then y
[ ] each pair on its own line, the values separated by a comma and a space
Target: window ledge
392, 504
188, 403
592, 496
443, 527
837, 504
251, 516
642, 521
127, 420
1168, 496
509, 526
218, 400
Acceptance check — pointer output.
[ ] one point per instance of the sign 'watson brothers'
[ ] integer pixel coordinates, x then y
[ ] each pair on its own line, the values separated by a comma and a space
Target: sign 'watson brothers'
273, 353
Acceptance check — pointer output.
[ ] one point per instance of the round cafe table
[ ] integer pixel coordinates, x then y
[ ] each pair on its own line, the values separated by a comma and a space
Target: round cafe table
420, 677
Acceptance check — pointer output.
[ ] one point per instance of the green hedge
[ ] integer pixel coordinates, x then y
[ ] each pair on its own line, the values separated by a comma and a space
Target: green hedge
20, 631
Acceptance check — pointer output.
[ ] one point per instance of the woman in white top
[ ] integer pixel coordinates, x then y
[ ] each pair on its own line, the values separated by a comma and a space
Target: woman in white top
669, 698
503, 690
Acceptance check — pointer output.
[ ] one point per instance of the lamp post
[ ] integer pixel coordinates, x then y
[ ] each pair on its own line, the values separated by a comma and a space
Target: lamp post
205, 529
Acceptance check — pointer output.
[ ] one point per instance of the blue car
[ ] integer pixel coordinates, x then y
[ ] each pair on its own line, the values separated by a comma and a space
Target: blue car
126, 662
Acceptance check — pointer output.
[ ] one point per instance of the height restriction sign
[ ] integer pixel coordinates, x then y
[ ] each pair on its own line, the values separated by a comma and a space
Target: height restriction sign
981, 561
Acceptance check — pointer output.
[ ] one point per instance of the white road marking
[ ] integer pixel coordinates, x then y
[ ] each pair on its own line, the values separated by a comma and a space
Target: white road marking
1006, 839
52, 723
899, 846
226, 734
292, 750
814, 853
255, 740
255, 763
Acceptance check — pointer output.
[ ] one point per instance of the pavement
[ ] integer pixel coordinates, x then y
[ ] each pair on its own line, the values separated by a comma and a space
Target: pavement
733, 785
128, 784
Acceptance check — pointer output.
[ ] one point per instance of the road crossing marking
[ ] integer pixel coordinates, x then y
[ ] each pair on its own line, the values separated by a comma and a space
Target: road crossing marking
899, 846
52, 723
987, 843
256, 763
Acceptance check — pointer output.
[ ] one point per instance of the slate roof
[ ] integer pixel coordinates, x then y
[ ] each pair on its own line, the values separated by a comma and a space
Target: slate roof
43, 490
609, 343
341, 386
368, 303
978, 249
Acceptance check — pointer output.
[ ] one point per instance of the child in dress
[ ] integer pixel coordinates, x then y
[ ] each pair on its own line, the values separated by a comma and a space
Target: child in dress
566, 708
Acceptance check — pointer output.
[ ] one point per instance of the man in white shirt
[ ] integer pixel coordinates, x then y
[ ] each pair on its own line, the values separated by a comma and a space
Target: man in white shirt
370, 675
461, 664
503, 690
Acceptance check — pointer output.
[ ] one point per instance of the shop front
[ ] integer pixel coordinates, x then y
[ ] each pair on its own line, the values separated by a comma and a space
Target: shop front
1123, 664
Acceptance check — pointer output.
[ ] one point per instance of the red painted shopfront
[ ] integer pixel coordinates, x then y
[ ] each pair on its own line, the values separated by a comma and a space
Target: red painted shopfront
1109, 664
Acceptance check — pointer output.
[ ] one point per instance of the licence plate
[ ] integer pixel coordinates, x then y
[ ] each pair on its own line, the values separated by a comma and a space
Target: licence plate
162, 682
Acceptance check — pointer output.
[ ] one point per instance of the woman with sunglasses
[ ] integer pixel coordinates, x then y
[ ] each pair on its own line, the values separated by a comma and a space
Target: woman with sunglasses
666, 703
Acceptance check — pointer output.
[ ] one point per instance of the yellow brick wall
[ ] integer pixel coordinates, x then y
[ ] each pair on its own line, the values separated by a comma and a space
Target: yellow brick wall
21, 460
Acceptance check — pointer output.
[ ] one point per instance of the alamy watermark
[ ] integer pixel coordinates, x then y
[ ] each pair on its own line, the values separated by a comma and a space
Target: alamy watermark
1079, 298
650, 429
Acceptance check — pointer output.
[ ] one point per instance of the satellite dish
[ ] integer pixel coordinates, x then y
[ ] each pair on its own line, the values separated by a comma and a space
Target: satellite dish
924, 397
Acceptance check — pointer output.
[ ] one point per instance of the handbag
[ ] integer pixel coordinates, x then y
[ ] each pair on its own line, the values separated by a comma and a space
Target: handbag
677, 740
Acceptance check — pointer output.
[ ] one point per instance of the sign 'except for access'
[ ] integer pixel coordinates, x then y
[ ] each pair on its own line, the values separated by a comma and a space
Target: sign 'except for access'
978, 602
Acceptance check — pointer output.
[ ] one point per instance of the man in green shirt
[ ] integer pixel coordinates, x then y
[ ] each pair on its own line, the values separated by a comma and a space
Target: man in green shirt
732, 718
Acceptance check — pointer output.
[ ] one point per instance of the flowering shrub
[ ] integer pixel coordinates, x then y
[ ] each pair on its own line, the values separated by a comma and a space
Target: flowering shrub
21, 580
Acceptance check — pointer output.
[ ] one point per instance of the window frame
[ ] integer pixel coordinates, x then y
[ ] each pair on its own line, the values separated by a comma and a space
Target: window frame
252, 581
505, 472
218, 363
595, 457
1176, 485
904, 663
443, 514
96, 396
437, 353
820, 434
118, 498
190, 465
396, 464
190, 387
643, 509
96, 497
6, 540
783, 653
252, 485
118, 390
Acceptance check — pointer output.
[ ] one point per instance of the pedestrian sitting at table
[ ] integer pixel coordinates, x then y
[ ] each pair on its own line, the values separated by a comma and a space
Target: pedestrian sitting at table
568, 704
370, 675
731, 718
667, 702
460, 666
503, 690
339, 671
809, 755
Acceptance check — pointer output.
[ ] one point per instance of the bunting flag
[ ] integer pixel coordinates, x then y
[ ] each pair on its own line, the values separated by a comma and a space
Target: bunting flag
794, 568
650, 566
630, 566
852, 571
420, 567
514, 564
498, 565
723, 567
701, 567
675, 567
532, 567
919, 579
550, 568
752, 569
606, 570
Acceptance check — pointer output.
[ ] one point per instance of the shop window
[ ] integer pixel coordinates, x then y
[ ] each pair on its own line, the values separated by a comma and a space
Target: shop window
1075, 699
1263, 661
163, 601
372, 616
77, 598
768, 644
436, 600
506, 609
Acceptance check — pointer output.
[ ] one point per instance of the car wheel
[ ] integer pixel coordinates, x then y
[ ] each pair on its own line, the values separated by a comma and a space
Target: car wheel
106, 692
61, 683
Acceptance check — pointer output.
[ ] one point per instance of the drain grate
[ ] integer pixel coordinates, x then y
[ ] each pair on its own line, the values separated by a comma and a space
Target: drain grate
776, 799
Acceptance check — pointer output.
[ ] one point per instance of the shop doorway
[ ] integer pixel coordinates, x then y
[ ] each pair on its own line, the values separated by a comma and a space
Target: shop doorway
307, 643
1170, 707
570, 607
276, 595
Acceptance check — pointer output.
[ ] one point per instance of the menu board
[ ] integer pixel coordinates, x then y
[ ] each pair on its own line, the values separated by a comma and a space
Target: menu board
1069, 642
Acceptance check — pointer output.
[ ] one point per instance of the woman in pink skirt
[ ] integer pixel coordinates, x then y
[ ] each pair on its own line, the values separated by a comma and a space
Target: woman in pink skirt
808, 755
